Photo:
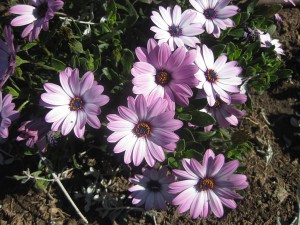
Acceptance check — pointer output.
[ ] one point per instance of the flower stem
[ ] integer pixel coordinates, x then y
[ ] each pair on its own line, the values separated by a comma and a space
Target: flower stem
57, 180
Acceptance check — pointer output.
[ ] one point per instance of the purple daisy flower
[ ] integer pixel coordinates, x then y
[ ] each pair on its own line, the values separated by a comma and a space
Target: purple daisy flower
144, 129
266, 42
214, 15
225, 114
151, 188
35, 133
175, 27
37, 14
8, 114
217, 77
205, 188
7, 56
74, 104
161, 73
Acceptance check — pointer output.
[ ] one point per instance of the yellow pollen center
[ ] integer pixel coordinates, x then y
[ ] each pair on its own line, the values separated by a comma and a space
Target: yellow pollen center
162, 78
206, 184
76, 104
142, 130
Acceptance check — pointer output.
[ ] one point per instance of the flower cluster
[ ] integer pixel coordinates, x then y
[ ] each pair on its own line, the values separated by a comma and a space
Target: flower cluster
166, 76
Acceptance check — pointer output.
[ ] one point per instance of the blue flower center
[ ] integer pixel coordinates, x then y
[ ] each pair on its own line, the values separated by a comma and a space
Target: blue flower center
154, 186
211, 75
268, 44
175, 31
76, 104
206, 184
142, 129
210, 14
42, 10
162, 78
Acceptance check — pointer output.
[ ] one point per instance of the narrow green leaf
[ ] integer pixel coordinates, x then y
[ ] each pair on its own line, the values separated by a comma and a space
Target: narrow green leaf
204, 136
20, 61
127, 60
58, 65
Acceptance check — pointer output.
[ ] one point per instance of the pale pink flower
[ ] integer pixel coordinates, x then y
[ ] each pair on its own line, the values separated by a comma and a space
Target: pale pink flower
151, 188
224, 114
214, 15
165, 74
7, 114
266, 42
205, 188
74, 103
7, 56
291, 1
143, 130
175, 27
278, 18
217, 77
35, 133
37, 14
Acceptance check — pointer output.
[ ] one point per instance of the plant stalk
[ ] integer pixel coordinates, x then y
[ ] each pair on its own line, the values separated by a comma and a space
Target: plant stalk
57, 180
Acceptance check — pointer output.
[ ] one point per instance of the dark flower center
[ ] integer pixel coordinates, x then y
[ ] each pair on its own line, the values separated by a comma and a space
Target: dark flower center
268, 44
162, 78
211, 75
206, 184
154, 186
142, 129
76, 104
217, 103
42, 10
210, 14
175, 31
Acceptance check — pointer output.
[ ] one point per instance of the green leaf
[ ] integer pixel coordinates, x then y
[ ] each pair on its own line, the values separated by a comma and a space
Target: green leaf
111, 10
76, 47
180, 145
218, 49
58, 65
42, 64
12, 91
28, 46
250, 71
20, 61
237, 19
251, 6
202, 119
271, 29
146, 1
244, 17
192, 153
237, 32
41, 184
184, 117
172, 162
23, 105
199, 103
204, 136
127, 60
